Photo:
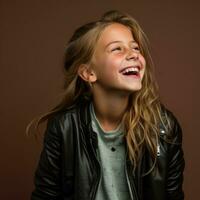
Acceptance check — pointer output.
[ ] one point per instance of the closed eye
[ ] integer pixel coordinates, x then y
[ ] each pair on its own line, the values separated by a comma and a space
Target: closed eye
137, 48
116, 49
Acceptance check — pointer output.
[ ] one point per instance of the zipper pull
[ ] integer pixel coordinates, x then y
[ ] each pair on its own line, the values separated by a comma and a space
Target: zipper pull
158, 150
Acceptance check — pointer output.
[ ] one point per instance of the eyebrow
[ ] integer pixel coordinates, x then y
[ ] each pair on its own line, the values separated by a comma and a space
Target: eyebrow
118, 41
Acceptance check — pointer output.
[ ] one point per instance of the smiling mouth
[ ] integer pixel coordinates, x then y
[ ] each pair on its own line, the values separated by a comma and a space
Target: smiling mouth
134, 71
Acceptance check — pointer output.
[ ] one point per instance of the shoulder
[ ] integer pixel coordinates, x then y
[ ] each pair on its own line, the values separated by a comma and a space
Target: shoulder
62, 118
69, 118
171, 126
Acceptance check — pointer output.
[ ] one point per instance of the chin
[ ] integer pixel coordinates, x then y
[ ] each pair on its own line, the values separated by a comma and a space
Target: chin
136, 88
132, 90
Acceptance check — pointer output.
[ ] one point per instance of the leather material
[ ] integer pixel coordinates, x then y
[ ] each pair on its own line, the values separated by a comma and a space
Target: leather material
68, 168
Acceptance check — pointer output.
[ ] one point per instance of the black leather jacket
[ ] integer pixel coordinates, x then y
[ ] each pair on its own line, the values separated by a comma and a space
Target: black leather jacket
69, 169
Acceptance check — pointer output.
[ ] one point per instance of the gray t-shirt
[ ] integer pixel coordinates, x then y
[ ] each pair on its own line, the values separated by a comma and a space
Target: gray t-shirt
111, 152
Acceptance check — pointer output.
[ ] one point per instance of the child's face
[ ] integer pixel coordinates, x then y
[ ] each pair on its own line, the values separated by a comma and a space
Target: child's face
117, 62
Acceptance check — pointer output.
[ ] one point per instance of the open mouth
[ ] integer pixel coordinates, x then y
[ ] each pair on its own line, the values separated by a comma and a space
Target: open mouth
128, 71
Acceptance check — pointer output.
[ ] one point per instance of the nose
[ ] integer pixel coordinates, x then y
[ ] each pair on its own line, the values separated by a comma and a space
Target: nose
131, 54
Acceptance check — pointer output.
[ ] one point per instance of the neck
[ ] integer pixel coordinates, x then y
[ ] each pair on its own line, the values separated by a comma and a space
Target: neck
109, 108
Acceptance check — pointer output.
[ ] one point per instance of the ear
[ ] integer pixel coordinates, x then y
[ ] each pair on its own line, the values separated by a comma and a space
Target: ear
86, 73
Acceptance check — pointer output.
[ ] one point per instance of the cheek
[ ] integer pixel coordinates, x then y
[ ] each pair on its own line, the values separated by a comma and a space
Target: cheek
114, 62
107, 65
110, 64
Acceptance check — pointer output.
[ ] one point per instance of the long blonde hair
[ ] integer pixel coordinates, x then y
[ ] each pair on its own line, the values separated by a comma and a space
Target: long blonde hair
143, 115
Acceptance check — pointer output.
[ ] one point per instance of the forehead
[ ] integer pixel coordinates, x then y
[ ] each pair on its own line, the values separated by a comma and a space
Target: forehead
115, 32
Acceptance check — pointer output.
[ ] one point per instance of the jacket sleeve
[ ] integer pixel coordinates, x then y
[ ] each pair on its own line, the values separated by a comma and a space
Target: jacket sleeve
176, 164
47, 178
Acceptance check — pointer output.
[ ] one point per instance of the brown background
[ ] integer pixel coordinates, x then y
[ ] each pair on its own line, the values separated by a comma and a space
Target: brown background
33, 34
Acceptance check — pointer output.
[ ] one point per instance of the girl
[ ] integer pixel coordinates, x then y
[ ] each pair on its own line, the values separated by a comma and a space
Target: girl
110, 138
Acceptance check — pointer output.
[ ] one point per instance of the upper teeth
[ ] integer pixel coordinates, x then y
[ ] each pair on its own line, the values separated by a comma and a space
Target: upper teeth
130, 69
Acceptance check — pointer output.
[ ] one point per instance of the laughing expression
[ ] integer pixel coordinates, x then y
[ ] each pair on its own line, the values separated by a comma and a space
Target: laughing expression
117, 61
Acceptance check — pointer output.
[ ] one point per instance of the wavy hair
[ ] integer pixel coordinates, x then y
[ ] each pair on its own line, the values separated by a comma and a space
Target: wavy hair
143, 115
